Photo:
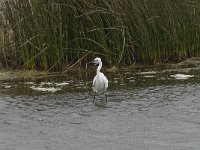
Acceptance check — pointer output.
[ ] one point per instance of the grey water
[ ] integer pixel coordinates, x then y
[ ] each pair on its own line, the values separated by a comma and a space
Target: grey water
146, 110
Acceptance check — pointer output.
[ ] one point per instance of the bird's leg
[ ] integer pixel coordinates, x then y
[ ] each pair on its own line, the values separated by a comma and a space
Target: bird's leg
93, 97
106, 97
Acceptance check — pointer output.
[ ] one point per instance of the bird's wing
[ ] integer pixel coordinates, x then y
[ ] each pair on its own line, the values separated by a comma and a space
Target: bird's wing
93, 84
94, 81
105, 82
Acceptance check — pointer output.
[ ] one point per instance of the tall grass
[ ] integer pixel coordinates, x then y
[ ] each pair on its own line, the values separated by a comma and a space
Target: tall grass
53, 34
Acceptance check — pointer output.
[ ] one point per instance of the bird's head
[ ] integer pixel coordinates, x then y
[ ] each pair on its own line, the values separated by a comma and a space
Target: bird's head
96, 61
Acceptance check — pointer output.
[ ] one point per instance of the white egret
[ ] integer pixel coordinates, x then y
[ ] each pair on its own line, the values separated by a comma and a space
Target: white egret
100, 82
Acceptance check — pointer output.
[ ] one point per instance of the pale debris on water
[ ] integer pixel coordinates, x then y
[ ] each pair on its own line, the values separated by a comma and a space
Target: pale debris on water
147, 72
46, 83
149, 76
43, 89
182, 76
7, 86
49, 87
62, 84
28, 82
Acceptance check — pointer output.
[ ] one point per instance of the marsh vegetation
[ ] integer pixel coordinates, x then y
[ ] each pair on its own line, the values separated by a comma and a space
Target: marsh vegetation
54, 34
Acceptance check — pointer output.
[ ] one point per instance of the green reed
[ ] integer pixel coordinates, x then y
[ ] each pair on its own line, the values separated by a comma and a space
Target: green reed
54, 34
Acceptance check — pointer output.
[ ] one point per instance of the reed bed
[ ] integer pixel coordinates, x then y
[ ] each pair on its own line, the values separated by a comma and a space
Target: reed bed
54, 34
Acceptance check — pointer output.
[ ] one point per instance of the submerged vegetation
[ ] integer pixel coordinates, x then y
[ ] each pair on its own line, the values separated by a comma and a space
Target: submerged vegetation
53, 34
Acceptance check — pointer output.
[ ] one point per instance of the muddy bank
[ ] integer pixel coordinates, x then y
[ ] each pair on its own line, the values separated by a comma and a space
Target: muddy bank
20, 74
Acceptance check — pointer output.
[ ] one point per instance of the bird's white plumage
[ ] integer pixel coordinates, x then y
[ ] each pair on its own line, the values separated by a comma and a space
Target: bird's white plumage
100, 82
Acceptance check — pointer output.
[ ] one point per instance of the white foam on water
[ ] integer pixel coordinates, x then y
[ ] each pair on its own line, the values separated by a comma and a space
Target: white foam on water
147, 72
45, 89
149, 76
62, 84
181, 76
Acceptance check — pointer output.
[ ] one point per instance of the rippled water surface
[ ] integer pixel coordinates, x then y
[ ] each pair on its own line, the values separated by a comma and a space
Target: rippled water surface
146, 110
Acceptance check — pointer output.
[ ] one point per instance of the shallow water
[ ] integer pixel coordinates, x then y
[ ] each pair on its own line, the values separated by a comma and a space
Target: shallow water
146, 110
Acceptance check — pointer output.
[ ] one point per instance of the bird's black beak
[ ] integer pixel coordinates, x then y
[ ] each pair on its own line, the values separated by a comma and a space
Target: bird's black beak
91, 62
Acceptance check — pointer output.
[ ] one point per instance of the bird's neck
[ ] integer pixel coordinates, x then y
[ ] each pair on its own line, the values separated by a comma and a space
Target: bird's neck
99, 68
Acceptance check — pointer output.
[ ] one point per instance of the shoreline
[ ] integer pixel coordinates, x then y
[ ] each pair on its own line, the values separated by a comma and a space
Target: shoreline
11, 75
